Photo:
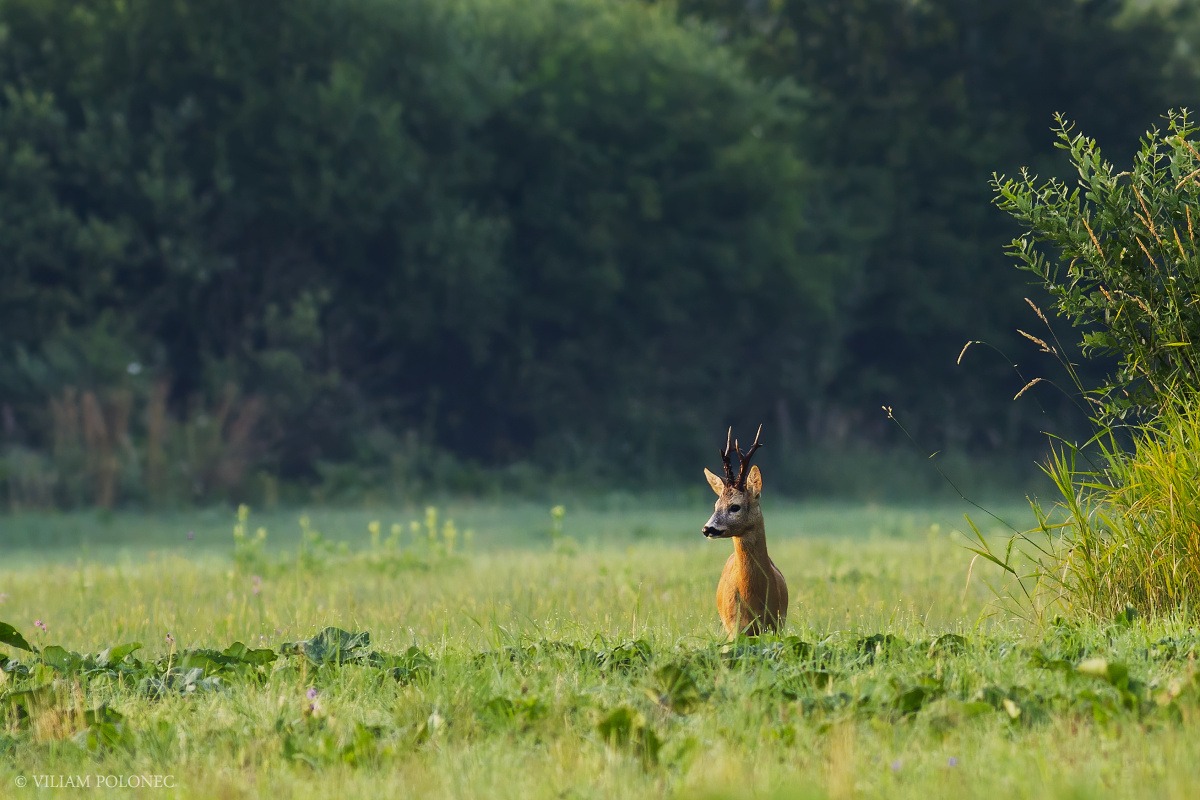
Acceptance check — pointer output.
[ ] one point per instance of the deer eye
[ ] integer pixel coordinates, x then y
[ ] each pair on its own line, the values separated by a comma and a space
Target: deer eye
735, 508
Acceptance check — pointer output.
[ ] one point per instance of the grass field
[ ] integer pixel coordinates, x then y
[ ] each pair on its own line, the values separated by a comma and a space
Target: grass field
570, 657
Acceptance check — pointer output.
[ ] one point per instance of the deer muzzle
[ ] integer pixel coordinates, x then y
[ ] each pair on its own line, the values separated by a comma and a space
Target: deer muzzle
714, 533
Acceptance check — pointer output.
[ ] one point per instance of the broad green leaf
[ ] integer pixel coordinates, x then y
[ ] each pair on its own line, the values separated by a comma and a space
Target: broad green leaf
61, 659
11, 637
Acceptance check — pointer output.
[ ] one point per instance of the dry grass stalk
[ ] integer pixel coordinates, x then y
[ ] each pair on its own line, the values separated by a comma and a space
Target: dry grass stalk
1095, 241
1045, 348
1149, 257
1040, 314
1027, 387
1145, 215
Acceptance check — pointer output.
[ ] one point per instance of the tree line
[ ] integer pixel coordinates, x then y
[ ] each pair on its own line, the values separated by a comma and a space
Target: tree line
394, 243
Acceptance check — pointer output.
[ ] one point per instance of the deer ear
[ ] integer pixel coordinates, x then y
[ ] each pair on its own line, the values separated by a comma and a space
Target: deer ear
754, 482
717, 484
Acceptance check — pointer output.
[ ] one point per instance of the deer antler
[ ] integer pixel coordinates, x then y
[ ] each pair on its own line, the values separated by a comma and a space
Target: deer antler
729, 480
744, 458
731, 446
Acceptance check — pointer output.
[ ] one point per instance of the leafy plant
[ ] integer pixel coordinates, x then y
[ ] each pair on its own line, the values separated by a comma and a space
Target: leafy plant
1119, 254
1125, 538
627, 729
934, 683
249, 552
432, 541
315, 550
559, 541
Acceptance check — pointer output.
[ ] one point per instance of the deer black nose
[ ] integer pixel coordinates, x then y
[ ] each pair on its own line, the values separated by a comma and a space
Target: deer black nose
712, 533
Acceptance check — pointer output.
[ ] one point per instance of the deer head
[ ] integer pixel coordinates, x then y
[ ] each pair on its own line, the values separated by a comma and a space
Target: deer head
737, 512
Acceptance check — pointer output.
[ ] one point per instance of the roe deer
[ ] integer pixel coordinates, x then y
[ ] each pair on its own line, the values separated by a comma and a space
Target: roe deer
752, 595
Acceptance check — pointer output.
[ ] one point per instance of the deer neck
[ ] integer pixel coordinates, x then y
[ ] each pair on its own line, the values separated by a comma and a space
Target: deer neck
751, 549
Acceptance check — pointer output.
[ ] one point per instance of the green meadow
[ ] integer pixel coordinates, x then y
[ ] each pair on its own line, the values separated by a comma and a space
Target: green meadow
357, 252
512, 651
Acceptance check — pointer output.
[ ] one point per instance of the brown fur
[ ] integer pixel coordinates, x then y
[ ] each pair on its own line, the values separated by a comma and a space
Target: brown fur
752, 596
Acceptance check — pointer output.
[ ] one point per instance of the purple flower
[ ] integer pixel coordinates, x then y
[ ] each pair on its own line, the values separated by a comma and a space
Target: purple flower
953, 762
896, 765
170, 638
314, 705
191, 535
37, 623
256, 584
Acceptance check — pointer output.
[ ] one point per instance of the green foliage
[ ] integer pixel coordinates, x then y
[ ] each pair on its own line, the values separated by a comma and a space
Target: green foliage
332, 646
560, 542
353, 211
519, 670
910, 107
248, 551
1118, 253
626, 729
432, 543
1125, 538
369, 248
315, 550
924, 683
11, 637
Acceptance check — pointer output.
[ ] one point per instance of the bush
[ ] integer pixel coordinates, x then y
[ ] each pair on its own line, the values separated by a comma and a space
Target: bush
1127, 533
1119, 254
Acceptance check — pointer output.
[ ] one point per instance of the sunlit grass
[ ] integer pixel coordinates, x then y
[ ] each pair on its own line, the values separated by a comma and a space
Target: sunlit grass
498, 720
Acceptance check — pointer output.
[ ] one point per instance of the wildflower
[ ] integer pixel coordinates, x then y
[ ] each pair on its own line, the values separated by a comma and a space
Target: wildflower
191, 535
37, 623
170, 639
896, 765
314, 705
256, 584
953, 762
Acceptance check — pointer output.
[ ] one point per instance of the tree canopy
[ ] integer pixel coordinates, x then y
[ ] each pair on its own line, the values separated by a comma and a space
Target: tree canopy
305, 237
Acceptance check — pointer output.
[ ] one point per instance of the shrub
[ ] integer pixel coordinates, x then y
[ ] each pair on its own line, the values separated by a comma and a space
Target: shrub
1118, 252
1126, 535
